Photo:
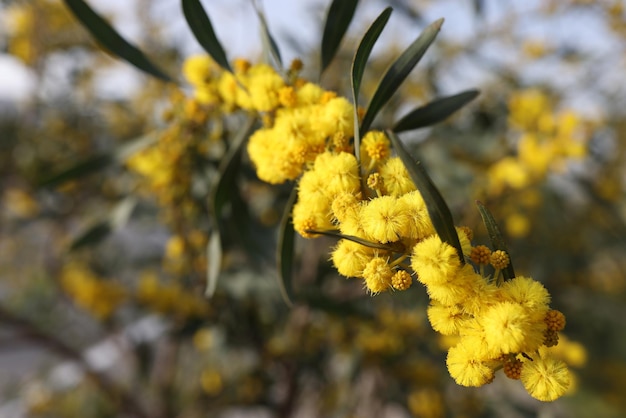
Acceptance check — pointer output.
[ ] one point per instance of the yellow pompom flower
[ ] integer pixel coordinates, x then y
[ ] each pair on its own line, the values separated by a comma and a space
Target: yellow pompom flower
264, 85
419, 224
345, 205
395, 177
529, 293
509, 328
444, 319
385, 219
197, 69
434, 261
465, 287
375, 146
545, 378
465, 368
377, 274
340, 173
336, 116
309, 94
350, 258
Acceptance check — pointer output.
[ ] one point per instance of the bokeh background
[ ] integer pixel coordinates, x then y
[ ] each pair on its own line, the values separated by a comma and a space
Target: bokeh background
103, 258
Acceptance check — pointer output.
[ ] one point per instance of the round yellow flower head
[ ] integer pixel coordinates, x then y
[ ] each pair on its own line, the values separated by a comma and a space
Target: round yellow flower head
264, 85
396, 179
527, 292
339, 172
350, 258
345, 205
444, 319
509, 329
336, 116
420, 225
377, 274
465, 368
309, 94
376, 146
197, 69
434, 261
385, 219
545, 378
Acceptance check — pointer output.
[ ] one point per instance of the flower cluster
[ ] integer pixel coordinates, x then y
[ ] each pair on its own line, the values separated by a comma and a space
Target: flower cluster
501, 325
169, 298
546, 141
387, 232
382, 219
98, 296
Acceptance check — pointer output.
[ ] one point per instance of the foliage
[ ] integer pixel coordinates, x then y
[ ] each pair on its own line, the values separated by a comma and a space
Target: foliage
182, 244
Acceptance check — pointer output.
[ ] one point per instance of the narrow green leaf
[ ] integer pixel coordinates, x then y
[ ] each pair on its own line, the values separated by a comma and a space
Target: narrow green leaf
92, 235
228, 169
358, 68
113, 41
398, 72
268, 39
358, 240
284, 254
118, 218
214, 257
222, 191
435, 111
338, 19
78, 170
497, 241
438, 209
201, 26
365, 49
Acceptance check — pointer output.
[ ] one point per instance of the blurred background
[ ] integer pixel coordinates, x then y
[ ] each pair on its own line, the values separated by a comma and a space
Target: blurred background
105, 219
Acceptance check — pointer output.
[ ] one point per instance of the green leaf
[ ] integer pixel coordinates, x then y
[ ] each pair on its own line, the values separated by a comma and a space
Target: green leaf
284, 255
398, 72
214, 257
117, 219
497, 241
358, 67
435, 111
229, 166
113, 41
78, 170
338, 19
92, 235
358, 240
268, 39
221, 195
201, 26
438, 209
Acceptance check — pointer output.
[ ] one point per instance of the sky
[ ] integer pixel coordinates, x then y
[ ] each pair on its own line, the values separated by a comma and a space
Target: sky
236, 26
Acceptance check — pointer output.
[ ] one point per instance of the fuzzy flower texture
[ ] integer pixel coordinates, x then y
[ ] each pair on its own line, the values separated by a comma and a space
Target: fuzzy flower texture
389, 235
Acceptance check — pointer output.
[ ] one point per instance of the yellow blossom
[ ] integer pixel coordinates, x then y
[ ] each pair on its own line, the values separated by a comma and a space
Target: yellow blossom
446, 319
395, 177
350, 258
375, 146
545, 378
377, 274
509, 328
385, 219
465, 368
434, 261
